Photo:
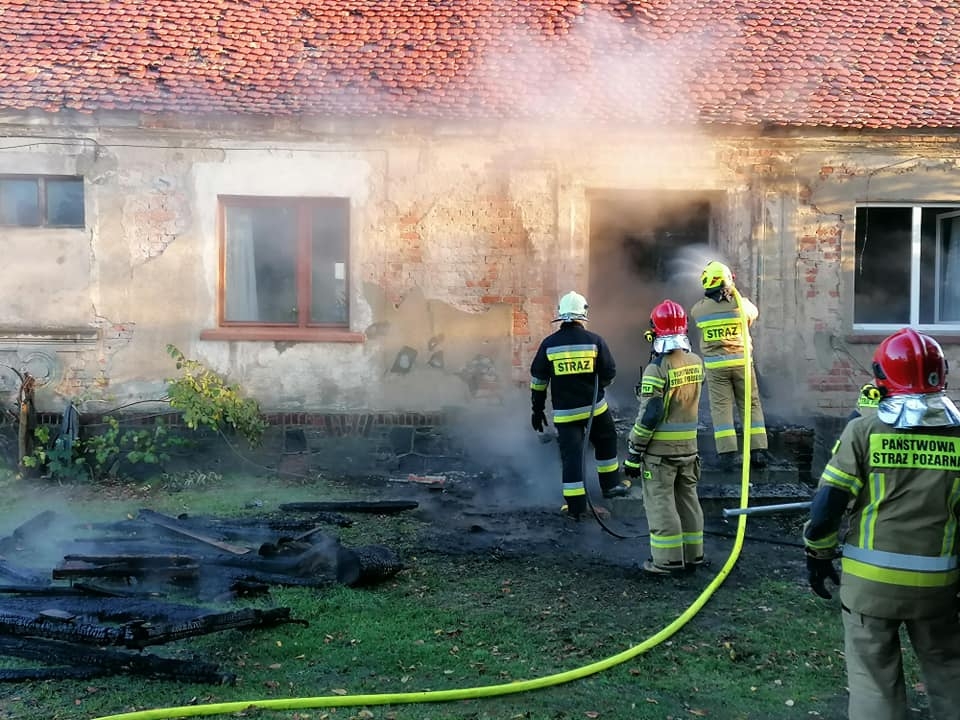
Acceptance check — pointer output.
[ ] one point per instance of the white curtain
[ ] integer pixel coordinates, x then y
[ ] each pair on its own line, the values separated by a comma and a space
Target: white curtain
950, 280
240, 273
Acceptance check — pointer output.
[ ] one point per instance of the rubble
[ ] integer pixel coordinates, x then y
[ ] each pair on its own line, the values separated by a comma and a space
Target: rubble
104, 601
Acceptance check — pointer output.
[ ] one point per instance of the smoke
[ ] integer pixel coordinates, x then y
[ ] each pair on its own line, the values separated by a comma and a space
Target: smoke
26, 525
524, 465
688, 263
596, 68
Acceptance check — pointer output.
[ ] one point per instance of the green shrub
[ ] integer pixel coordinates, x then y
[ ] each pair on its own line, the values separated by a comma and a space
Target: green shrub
207, 400
102, 454
203, 397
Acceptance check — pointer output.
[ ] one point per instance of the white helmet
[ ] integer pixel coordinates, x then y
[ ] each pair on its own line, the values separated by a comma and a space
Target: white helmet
573, 306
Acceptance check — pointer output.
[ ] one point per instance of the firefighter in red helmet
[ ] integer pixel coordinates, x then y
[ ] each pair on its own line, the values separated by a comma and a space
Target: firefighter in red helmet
897, 473
662, 444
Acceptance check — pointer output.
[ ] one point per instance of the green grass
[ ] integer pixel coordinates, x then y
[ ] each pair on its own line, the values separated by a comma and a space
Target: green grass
762, 649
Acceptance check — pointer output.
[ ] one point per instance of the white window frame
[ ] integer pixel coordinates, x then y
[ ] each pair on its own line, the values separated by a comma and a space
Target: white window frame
938, 264
916, 245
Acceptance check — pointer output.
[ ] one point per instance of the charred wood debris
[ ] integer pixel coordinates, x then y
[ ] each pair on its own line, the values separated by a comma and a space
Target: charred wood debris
110, 594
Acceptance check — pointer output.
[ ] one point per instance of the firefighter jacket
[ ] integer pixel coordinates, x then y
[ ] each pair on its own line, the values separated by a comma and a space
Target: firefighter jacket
669, 395
903, 490
721, 330
567, 361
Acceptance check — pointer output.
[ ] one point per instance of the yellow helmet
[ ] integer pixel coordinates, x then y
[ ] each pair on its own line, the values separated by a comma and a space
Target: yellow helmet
716, 275
869, 397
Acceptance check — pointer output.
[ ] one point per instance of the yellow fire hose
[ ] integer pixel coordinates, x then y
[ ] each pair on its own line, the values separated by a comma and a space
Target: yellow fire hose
326, 701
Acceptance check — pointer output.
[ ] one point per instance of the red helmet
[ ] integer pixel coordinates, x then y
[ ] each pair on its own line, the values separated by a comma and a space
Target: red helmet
668, 318
909, 363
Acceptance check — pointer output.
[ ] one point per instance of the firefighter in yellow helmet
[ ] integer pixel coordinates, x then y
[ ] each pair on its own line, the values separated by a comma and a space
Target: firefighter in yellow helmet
577, 365
663, 444
868, 399
897, 474
722, 344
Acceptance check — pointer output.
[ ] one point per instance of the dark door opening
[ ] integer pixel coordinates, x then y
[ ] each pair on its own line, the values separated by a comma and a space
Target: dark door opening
645, 247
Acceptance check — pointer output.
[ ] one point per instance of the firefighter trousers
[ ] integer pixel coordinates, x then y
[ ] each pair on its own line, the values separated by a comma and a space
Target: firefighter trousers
875, 665
673, 510
603, 437
725, 388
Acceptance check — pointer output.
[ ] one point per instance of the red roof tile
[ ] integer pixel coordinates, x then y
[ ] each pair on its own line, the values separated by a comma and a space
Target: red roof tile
843, 63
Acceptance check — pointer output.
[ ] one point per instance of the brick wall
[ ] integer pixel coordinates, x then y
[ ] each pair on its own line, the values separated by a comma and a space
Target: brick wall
473, 253
337, 424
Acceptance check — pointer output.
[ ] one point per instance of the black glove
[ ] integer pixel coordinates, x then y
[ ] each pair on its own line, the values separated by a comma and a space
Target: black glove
538, 420
633, 465
819, 570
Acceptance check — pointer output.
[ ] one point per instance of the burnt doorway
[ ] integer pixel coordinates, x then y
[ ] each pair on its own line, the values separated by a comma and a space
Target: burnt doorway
645, 247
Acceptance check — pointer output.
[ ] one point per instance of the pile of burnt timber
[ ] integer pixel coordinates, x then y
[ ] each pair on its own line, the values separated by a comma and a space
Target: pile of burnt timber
102, 600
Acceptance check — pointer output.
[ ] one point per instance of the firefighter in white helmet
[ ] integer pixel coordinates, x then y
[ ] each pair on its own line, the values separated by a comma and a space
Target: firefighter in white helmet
897, 474
663, 444
722, 344
577, 365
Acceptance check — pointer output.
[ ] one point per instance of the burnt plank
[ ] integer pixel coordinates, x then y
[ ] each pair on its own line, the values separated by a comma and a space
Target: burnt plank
53, 673
379, 507
173, 525
135, 560
78, 569
32, 625
77, 590
32, 528
114, 661
20, 575
95, 610
244, 619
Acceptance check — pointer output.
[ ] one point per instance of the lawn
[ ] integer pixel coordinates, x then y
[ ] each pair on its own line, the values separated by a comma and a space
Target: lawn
459, 616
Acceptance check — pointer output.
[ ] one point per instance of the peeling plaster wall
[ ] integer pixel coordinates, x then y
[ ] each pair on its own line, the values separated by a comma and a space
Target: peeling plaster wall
461, 241
832, 179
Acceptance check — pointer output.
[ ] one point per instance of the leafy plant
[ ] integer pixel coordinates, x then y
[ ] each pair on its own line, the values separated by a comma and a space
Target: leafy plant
61, 461
207, 400
105, 450
100, 454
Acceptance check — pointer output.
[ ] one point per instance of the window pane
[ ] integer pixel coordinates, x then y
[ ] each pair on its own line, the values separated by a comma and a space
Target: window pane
949, 281
19, 202
261, 264
329, 241
881, 270
64, 202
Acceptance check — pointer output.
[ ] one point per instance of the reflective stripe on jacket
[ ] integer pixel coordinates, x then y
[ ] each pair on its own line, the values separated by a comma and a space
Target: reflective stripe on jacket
667, 419
566, 363
721, 330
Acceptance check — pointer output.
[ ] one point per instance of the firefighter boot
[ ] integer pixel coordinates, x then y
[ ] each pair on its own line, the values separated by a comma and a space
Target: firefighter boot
671, 568
575, 509
621, 489
728, 462
759, 458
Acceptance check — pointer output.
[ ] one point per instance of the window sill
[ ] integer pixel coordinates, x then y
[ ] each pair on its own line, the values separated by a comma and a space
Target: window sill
280, 334
876, 339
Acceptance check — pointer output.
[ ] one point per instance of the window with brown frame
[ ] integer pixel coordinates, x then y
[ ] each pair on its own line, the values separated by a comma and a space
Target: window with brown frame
41, 201
284, 262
